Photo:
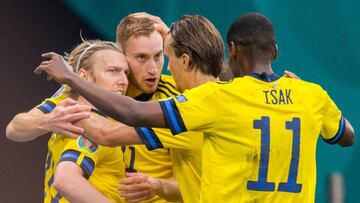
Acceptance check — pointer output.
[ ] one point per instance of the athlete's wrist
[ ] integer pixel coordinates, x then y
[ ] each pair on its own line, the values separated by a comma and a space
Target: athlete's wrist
44, 123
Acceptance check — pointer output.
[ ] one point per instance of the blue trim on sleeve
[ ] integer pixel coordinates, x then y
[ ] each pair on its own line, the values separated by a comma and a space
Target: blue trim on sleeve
69, 155
56, 198
51, 181
47, 107
150, 139
340, 132
87, 164
172, 116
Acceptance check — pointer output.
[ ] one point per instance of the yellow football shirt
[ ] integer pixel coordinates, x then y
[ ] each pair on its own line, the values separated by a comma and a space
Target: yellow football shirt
155, 163
259, 137
186, 155
102, 166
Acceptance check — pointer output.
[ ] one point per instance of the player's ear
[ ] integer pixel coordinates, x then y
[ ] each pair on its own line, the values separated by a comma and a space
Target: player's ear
232, 50
276, 48
83, 73
185, 60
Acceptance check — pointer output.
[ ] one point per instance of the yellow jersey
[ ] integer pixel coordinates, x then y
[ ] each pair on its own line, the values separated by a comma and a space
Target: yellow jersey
186, 155
102, 166
259, 136
155, 163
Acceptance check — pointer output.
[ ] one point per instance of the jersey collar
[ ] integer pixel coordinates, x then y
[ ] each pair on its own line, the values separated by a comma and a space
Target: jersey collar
264, 76
143, 97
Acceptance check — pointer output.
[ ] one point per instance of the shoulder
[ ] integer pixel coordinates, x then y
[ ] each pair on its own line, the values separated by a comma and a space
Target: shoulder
166, 86
167, 79
82, 145
202, 92
61, 94
307, 86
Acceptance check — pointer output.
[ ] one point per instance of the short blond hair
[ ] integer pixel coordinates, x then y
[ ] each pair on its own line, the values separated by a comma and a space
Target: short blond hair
132, 26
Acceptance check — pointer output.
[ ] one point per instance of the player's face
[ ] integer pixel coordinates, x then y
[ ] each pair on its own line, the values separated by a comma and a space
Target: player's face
146, 59
109, 71
175, 65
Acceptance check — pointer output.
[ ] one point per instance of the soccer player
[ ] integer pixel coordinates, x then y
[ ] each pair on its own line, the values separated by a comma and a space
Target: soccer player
185, 148
78, 170
143, 48
260, 130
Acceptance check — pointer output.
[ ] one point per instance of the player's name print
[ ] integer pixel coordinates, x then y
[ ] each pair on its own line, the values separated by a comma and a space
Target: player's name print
278, 96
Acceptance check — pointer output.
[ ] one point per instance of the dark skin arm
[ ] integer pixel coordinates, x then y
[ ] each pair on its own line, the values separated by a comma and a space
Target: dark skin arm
108, 133
121, 108
348, 136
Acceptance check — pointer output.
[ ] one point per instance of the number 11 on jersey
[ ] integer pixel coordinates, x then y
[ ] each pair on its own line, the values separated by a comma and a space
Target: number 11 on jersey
262, 184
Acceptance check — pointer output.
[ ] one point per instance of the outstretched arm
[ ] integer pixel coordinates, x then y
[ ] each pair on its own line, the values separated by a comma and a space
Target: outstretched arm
27, 126
122, 108
138, 187
70, 183
108, 133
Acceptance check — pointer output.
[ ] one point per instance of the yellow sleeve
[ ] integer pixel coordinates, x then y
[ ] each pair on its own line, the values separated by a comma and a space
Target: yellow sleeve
194, 110
83, 152
155, 138
333, 122
50, 103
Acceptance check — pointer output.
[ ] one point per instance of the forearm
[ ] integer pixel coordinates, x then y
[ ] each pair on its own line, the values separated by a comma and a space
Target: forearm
121, 108
26, 127
108, 133
168, 189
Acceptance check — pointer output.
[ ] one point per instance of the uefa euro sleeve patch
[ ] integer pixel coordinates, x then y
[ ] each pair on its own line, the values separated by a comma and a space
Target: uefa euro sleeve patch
87, 145
181, 98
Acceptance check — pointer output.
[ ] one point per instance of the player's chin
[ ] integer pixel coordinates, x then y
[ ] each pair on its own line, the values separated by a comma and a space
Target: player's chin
148, 89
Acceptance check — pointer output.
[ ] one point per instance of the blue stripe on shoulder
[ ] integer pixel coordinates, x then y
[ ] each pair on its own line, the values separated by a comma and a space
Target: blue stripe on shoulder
172, 116
340, 132
150, 139
47, 107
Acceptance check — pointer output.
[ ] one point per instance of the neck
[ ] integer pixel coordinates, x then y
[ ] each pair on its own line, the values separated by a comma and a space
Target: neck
133, 91
197, 78
258, 68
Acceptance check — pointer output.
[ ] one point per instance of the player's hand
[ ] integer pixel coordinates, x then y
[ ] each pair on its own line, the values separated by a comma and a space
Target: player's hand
159, 25
289, 74
56, 67
60, 120
137, 187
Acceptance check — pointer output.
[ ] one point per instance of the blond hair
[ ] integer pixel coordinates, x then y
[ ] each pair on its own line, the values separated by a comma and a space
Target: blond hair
132, 26
80, 55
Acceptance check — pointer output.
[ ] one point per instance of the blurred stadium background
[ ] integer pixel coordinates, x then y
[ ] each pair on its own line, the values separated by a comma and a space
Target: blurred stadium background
318, 40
